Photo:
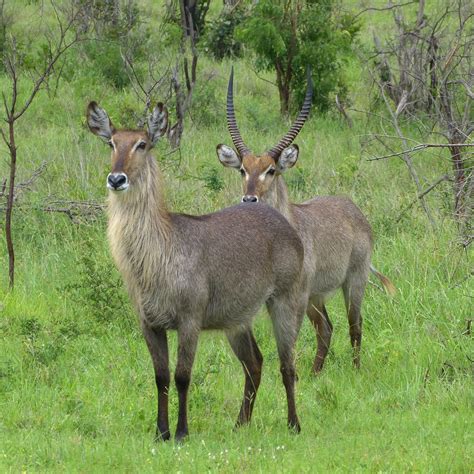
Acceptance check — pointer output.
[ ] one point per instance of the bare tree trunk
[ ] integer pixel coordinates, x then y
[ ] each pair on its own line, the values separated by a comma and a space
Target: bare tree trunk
283, 89
183, 100
9, 209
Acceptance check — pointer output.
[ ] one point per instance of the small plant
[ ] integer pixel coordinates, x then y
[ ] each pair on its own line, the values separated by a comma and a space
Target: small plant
98, 289
211, 178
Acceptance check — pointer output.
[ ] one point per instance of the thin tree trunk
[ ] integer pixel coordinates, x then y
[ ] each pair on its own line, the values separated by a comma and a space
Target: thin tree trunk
459, 179
9, 210
283, 89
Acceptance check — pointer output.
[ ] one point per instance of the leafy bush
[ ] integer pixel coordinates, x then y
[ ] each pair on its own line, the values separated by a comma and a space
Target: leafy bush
288, 36
220, 41
206, 109
107, 61
115, 28
210, 175
98, 288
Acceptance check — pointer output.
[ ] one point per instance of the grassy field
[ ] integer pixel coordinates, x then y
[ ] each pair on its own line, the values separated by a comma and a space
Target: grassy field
77, 391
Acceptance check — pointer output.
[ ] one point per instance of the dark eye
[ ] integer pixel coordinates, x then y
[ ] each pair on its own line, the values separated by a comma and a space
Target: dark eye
242, 171
271, 171
141, 146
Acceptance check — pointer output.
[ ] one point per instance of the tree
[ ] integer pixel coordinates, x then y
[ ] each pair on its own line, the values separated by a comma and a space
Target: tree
289, 35
21, 96
424, 73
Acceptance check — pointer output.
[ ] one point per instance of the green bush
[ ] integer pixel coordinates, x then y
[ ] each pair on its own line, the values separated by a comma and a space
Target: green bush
106, 60
288, 36
98, 289
220, 41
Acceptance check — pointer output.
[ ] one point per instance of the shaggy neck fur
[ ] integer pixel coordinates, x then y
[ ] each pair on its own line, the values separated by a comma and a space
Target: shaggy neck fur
140, 231
277, 197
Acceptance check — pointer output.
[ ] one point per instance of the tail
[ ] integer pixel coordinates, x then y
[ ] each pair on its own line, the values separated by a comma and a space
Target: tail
387, 284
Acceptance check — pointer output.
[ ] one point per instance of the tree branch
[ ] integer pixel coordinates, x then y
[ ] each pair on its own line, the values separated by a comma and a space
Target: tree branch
381, 9
421, 147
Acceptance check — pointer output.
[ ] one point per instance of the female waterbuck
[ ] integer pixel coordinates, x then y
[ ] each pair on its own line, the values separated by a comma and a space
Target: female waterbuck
191, 273
336, 236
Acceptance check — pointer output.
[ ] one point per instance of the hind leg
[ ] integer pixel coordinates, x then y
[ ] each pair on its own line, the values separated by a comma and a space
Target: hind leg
319, 318
353, 296
245, 348
286, 320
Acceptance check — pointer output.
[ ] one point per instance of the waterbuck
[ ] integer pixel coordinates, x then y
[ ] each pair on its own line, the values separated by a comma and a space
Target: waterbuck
192, 273
336, 236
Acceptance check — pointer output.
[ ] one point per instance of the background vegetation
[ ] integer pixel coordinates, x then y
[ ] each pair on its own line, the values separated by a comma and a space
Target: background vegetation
76, 383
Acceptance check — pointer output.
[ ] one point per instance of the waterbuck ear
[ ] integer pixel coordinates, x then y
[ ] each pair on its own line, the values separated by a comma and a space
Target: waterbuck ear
288, 157
99, 122
228, 157
157, 122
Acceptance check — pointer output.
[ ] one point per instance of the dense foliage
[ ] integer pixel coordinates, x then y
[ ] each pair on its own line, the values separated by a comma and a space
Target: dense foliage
287, 36
221, 41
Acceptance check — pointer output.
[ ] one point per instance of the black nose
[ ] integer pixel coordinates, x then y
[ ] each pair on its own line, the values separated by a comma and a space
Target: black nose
116, 180
250, 198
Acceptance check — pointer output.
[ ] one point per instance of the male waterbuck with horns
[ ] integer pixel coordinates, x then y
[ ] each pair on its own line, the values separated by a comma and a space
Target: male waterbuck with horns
191, 273
336, 236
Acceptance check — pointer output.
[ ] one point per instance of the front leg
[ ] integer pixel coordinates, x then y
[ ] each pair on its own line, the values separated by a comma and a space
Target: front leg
157, 343
187, 343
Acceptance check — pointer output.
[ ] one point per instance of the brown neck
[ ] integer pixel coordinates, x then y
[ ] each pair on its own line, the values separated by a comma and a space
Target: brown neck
140, 230
277, 197
142, 207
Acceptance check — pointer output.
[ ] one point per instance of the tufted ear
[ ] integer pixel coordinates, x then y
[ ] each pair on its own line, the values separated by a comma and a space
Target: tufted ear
288, 157
228, 156
99, 122
157, 123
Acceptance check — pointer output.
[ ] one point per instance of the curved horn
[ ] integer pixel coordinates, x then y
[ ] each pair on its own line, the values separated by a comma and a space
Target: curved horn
231, 121
298, 123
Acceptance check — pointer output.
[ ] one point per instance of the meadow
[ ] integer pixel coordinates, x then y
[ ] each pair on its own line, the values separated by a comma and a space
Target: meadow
77, 392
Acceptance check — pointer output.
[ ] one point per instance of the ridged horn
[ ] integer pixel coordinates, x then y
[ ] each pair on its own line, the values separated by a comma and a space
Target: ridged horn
298, 123
231, 121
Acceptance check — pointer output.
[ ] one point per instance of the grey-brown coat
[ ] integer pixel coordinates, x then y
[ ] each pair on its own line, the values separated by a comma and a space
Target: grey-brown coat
192, 273
336, 236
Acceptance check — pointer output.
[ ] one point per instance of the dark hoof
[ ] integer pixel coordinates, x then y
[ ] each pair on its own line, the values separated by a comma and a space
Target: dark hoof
161, 437
294, 427
241, 421
180, 436
318, 365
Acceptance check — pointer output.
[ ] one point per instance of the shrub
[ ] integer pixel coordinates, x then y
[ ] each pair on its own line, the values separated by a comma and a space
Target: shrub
220, 41
98, 288
287, 36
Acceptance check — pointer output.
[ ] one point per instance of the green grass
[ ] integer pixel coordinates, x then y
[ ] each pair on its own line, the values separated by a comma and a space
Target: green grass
77, 389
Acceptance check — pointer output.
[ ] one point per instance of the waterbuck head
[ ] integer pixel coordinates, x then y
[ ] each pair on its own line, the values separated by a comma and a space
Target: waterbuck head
259, 171
129, 147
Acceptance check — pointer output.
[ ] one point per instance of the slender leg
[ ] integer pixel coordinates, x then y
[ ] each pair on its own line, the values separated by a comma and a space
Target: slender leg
355, 332
319, 317
157, 343
187, 343
245, 348
285, 327
353, 295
